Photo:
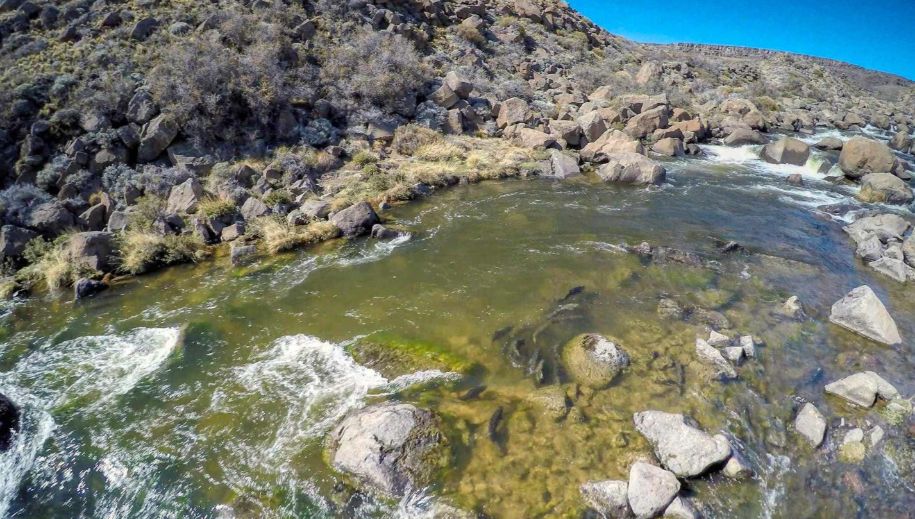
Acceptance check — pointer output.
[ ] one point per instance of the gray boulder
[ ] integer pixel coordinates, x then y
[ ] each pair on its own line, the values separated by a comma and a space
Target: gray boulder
356, 220
315, 209
862, 389
513, 111
157, 134
908, 250
51, 218
143, 29
650, 490
184, 197
253, 208
13, 241
94, 217
85, 287
391, 447
894, 268
592, 125
861, 156
681, 508
862, 312
643, 124
458, 84
609, 144
885, 188
594, 360
632, 168
608, 498
786, 151
563, 165
680, 447
711, 356
141, 107
901, 141
885, 227
810, 424
239, 254
94, 250
830, 143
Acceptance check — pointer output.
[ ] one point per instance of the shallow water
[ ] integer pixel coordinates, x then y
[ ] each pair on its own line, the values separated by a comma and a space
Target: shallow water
206, 391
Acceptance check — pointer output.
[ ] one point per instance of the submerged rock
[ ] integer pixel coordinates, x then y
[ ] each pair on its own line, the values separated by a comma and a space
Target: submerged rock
594, 360
392, 447
9, 422
737, 467
682, 448
810, 424
85, 287
650, 490
884, 227
608, 498
862, 312
710, 356
885, 188
863, 388
681, 508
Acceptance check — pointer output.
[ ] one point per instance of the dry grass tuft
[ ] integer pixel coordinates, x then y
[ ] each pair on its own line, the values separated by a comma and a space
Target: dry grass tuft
143, 250
279, 236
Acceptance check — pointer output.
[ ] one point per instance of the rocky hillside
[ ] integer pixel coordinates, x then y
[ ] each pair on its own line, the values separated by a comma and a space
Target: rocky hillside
139, 133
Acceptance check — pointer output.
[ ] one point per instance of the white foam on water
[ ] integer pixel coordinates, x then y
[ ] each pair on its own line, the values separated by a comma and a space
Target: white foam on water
36, 426
94, 369
731, 154
380, 249
819, 136
772, 483
420, 378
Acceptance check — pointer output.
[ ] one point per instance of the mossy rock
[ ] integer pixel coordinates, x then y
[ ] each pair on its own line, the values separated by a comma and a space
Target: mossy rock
395, 356
594, 360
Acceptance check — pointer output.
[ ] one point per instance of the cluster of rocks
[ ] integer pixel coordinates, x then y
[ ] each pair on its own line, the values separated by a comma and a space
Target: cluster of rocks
883, 176
724, 354
883, 241
683, 451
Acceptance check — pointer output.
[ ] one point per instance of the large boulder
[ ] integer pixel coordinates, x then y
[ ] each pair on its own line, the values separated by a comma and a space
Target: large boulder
908, 250
650, 489
861, 156
592, 125
513, 111
885, 188
157, 134
184, 197
355, 220
786, 150
830, 143
643, 124
669, 147
13, 241
610, 143
94, 250
563, 165
680, 447
458, 84
9, 422
253, 208
810, 424
862, 389
650, 71
862, 312
744, 136
593, 360
534, 139
51, 218
567, 131
391, 447
632, 168
608, 498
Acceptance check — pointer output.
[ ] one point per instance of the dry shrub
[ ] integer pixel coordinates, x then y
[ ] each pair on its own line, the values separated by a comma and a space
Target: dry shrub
277, 235
143, 250
440, 152
410, 137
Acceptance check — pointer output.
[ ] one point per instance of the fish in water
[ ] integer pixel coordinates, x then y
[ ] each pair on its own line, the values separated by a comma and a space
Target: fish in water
494, 421
473, 393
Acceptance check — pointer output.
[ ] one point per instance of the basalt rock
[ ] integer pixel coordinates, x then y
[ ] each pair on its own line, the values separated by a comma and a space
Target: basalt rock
632, 168
862, 312
594, 360
10, 418
787, 151
861, 156
355, 220
682, 448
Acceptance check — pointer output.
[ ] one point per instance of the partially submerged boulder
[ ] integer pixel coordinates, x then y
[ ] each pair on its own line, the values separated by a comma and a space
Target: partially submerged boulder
632, 168
810, 424
608, 498
786, 150
10, 417
390, 447
594, 360
650, 490
563, 165
682, 448
93, 250
885, 188
862, 312
862, 389
355, 220
744, 136
611, 143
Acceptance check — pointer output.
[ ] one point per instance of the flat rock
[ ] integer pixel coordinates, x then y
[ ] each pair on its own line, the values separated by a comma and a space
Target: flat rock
863, 388
391, 447
651, 489
681, 447
810, 424
884, 227
862, 312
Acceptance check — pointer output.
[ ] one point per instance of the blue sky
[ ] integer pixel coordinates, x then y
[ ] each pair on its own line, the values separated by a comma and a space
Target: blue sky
877, 34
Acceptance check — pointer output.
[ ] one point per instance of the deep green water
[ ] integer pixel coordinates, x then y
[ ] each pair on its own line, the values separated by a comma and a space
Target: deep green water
206, 391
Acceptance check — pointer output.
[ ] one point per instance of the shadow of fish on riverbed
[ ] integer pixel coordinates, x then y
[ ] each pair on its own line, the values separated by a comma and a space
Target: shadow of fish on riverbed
536, 347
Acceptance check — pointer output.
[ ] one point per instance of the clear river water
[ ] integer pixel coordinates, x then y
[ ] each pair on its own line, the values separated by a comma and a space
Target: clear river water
207, 390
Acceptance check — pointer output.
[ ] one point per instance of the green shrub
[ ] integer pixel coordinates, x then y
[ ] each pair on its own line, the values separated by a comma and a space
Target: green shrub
215, 207
279, 196
363, 158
